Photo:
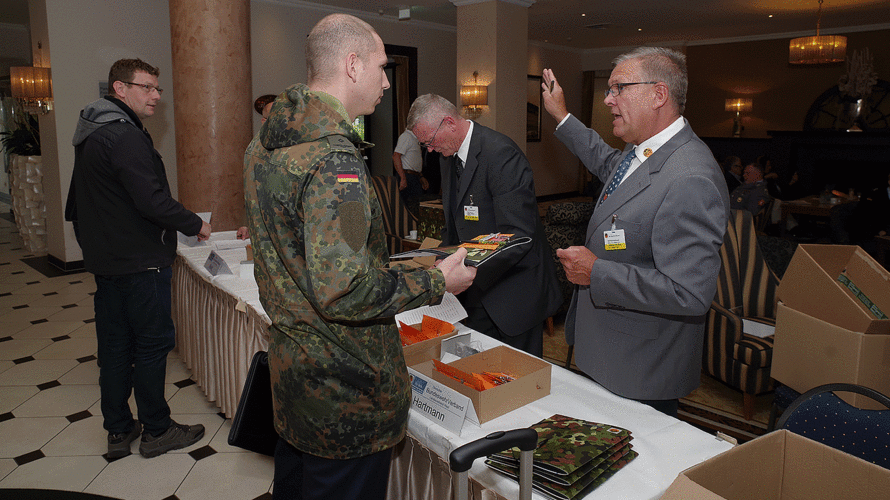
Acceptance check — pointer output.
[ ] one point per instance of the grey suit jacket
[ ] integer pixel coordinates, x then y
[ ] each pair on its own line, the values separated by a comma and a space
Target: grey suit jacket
638, 329
519, 289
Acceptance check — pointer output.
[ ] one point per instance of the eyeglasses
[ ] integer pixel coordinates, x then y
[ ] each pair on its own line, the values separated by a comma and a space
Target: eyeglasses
427, 145
616, 88
148, 88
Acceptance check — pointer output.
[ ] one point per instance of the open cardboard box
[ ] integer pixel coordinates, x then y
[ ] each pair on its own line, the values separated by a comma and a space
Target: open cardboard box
781, 465
532, 380
809, 352
425, 350
421, 262
810, 285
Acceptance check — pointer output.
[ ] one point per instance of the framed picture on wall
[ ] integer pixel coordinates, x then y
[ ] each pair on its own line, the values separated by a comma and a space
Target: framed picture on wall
533, 109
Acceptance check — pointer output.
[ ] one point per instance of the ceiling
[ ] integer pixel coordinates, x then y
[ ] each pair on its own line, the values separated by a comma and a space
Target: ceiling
593, 24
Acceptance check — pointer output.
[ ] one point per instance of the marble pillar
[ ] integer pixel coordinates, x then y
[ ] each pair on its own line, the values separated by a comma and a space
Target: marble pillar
212, 102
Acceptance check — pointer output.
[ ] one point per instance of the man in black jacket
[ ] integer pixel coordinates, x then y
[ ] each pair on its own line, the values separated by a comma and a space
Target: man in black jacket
126, 220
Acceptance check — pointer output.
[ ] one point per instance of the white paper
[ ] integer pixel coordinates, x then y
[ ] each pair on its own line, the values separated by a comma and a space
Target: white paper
757, 329
439, 403
449, 310
192, 241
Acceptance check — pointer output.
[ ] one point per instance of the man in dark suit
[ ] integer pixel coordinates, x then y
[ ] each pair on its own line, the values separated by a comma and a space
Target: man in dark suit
648, 271
487, 187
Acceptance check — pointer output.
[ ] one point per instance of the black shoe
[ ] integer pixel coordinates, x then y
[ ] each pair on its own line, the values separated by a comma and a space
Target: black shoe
119, 444
175, 437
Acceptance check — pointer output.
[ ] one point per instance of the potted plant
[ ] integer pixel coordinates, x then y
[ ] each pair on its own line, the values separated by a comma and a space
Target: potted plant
22, 144
24, 138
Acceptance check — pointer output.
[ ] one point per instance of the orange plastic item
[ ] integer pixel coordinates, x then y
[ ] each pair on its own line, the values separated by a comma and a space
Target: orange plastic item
430, 328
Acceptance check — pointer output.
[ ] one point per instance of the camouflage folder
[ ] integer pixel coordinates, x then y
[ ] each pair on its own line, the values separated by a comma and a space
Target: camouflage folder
587, 483
569, 479
567, 444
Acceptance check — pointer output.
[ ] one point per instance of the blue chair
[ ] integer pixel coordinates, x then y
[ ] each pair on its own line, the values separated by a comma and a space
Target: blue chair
822, 416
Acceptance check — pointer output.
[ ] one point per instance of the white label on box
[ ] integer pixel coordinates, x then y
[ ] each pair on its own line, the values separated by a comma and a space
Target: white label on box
216, 265
439, 403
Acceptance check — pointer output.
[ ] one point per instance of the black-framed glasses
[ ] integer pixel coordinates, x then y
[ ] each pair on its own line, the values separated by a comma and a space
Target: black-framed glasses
616, 88
427, 145
148, 88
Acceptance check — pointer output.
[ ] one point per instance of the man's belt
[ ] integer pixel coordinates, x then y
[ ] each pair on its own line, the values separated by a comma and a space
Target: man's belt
413, 172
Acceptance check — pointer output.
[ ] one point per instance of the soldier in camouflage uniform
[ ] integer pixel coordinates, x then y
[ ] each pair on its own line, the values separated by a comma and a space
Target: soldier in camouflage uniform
753, 194
339, 381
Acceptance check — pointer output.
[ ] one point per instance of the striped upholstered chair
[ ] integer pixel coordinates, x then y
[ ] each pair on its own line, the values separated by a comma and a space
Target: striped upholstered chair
746, 289
397, 220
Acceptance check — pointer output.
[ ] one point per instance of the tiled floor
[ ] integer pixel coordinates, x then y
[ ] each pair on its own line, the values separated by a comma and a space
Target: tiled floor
51, 434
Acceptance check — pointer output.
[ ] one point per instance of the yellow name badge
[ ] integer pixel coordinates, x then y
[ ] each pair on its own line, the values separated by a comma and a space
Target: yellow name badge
471, 212
615, 239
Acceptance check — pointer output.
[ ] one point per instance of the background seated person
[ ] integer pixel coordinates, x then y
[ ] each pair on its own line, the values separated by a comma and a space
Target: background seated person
752, 195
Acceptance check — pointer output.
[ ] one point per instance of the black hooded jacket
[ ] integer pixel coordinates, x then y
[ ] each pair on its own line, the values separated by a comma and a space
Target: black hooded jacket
124, 215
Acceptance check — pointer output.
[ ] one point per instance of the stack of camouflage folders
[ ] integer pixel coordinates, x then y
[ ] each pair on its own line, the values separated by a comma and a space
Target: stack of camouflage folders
573, 457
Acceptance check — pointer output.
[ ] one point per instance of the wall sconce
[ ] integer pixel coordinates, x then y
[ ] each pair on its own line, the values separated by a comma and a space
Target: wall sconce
738, 105
33, 87
819, 49
473, 97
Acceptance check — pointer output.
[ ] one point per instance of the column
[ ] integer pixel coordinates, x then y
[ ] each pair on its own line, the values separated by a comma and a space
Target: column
492, 38
210, 41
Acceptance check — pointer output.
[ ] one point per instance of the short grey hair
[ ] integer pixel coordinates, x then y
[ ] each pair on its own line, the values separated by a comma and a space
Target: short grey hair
662, 65
332, 38
428, 108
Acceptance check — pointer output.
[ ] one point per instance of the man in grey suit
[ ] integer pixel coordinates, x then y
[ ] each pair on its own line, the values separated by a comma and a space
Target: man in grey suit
487, 187
648, 271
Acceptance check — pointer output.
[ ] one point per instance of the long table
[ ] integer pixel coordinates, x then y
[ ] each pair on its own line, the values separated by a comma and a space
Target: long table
220, 324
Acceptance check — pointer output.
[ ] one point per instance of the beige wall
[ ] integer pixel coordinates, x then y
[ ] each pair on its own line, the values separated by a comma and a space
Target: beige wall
81, 50
782, 93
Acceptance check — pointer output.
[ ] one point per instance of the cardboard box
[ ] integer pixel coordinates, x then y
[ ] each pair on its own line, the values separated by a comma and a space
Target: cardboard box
532, 381
810, 285
808, 352
425, 350
781, 465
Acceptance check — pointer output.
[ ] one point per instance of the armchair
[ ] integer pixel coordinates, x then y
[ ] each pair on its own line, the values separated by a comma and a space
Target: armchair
397, 220
746, 289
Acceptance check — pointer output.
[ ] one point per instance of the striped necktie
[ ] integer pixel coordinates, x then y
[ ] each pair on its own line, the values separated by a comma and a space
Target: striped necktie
619, 174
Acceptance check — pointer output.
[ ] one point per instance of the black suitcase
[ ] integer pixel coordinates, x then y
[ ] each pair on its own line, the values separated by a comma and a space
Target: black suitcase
461, 459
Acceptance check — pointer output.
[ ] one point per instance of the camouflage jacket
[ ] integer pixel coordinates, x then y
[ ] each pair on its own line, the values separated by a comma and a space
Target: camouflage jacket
339, 382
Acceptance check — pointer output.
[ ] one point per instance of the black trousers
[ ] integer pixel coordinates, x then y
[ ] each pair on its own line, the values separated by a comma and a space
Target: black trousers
301, 476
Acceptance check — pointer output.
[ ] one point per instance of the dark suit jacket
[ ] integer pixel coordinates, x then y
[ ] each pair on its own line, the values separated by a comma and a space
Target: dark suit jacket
518, 289
638, 329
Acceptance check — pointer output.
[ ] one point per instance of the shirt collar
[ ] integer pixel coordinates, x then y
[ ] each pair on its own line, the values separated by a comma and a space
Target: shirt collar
658, 140
464, 150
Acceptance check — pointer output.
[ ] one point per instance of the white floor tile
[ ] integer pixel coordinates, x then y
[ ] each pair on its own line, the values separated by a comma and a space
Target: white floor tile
228, 475
59, 401
17, 299
73, 314
84, 373
36, 372
60, 299
29, 314
16, 348
30, 434
86, 330
7, 465
192, 400
56, 473
82, 438
68, 349
12, 396
48, 330
137, 478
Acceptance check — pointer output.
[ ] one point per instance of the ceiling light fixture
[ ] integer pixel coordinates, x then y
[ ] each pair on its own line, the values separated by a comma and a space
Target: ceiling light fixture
819, 49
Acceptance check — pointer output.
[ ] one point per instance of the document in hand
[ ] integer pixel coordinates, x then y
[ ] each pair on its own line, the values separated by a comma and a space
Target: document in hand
480, 249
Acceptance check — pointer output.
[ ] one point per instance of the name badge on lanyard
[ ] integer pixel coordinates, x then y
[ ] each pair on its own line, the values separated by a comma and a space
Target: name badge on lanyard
471, 211
614, 238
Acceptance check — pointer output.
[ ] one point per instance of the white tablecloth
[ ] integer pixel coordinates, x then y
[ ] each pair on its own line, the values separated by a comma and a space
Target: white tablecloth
220, 324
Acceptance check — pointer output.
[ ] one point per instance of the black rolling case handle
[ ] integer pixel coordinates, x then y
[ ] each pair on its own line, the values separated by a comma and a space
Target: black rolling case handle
461, 459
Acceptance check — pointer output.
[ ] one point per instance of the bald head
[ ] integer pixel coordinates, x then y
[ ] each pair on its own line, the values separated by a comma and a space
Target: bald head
332, 39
